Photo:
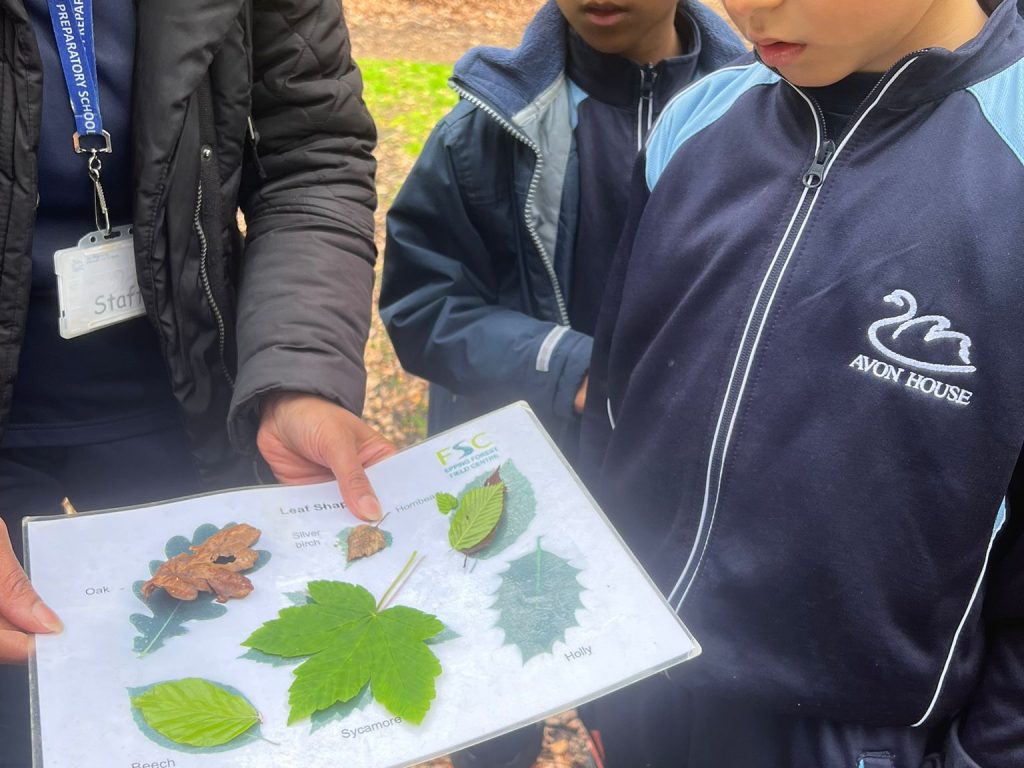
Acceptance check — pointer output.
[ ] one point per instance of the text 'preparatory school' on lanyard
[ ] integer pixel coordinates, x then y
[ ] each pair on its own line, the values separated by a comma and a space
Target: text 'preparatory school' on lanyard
72, 26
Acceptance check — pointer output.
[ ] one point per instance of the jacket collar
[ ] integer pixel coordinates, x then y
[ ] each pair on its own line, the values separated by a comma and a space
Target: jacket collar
617, 81
936, 72
511, 80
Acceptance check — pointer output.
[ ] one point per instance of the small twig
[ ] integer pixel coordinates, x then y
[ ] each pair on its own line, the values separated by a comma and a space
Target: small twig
402, 577
377, 524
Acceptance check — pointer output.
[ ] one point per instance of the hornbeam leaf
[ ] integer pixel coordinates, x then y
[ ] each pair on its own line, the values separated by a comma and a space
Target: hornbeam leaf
350, 643
478, 515
520, 509
445, 502
196, 712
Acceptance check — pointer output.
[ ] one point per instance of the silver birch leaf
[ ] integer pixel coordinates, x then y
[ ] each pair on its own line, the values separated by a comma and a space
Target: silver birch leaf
196, 712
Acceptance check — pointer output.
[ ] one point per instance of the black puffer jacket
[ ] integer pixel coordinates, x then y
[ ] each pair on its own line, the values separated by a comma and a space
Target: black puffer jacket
289, 309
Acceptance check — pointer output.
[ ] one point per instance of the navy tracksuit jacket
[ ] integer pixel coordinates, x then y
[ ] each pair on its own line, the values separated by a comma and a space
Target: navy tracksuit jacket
807, 400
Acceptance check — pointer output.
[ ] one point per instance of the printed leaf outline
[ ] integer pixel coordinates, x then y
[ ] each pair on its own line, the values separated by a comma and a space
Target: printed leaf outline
350, 642
478, 514
445, 502
194, 712
169, 614
520, 509
537, 601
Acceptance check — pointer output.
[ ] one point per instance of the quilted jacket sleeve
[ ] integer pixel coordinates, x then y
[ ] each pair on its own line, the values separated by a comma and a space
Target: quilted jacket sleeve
441, 296
305, 295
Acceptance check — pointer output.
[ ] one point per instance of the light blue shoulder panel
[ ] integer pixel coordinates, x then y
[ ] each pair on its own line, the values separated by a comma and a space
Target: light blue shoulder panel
1002, 102
697, 107
576, 97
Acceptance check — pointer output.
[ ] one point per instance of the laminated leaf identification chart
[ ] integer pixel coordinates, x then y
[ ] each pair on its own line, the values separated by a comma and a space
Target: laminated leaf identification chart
268, 627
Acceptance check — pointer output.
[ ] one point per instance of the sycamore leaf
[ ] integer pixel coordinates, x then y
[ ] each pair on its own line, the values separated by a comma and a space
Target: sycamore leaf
477, 518
537, 601
196, 712
445, 502
351, 642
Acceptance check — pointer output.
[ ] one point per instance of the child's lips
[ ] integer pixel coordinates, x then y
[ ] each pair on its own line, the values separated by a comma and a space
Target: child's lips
777, 54
604, 14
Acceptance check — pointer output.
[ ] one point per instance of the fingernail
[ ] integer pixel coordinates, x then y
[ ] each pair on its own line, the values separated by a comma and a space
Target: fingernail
42, 613
369, 508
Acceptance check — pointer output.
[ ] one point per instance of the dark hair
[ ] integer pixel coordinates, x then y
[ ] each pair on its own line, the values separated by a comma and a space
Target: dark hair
989, 5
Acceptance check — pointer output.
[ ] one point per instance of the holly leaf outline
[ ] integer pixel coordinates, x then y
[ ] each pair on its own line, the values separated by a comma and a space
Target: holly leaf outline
537, 601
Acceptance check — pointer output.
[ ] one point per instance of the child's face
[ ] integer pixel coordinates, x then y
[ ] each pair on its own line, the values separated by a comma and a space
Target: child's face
818, 42
641, 30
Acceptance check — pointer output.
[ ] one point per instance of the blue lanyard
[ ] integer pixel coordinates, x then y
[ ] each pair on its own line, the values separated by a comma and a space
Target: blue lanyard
72, 27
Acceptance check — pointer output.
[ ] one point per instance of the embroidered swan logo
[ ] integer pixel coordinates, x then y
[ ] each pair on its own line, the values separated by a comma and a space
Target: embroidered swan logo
939, 330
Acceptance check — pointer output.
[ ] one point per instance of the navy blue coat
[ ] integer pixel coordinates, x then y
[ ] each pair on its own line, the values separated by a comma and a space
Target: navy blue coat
470, 294
806, 392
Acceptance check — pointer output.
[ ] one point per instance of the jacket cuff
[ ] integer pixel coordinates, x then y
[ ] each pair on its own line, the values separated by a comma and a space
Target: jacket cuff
566, 355
268, 373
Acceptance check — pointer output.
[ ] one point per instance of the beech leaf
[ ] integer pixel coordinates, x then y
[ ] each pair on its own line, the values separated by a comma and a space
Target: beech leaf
350, 642
477, 517
445, 502
196, 712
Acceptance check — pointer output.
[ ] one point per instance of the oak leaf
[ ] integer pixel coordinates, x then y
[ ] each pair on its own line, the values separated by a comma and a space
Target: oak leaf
213, 566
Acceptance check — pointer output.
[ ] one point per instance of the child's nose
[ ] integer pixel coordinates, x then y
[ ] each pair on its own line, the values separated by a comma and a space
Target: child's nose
747, 8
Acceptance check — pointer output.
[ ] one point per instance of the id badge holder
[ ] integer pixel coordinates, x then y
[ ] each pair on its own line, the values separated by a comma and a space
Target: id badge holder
96, 282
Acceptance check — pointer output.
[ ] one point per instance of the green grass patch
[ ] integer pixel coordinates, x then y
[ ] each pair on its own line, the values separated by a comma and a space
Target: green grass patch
406, 98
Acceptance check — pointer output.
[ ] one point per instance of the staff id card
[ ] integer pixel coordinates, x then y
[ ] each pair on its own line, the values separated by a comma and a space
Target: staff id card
96, 282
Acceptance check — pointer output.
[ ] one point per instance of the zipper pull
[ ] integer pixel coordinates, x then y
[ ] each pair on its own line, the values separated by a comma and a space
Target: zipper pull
816, 173
254, 143
647, 77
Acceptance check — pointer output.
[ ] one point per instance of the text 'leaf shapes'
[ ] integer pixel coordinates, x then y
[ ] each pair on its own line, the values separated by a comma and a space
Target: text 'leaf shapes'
196, 712
537, 601
350, 643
